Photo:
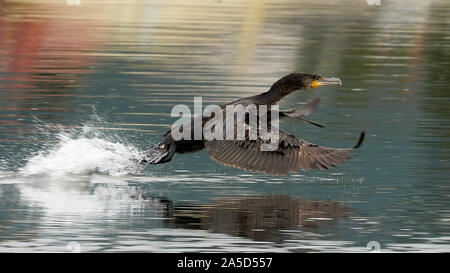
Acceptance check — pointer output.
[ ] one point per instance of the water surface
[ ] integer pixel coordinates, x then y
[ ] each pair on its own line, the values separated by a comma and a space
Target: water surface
85, 89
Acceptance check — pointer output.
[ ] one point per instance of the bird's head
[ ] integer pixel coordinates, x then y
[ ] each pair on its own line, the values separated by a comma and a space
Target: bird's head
297, 81
312, 81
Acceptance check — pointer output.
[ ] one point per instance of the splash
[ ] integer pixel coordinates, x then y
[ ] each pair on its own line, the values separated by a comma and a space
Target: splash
83, 152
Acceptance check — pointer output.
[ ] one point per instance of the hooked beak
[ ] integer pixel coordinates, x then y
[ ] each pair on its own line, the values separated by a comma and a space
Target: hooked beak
323, 81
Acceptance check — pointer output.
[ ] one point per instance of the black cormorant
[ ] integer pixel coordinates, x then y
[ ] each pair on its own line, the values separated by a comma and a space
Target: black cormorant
291, 153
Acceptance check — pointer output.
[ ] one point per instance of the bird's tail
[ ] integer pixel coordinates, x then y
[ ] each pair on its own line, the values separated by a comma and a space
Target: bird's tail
158, 154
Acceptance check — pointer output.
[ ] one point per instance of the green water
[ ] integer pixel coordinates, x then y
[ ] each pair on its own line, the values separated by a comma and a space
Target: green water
84, 89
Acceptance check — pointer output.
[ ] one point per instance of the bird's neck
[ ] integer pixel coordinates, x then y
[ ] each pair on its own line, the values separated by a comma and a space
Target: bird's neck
276, 93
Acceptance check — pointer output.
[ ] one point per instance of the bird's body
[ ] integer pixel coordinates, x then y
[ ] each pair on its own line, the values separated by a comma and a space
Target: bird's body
290, 153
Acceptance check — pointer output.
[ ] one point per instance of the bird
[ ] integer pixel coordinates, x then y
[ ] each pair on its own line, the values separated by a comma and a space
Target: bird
291, 153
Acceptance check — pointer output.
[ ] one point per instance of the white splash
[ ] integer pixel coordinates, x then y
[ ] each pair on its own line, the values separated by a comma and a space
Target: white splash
83, 155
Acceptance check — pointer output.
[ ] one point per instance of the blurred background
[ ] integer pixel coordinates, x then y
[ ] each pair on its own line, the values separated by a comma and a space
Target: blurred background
86, 86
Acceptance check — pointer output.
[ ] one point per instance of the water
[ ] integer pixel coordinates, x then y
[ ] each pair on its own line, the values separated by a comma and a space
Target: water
85, 89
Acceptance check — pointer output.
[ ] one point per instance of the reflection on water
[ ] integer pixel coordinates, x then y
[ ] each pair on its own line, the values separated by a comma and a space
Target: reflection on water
256, 217
85, 88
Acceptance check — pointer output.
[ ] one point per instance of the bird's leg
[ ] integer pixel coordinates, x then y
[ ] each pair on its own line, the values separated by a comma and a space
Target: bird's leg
171, 152
158, 154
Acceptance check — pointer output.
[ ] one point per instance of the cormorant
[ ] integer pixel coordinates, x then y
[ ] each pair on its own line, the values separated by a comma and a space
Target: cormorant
291, 154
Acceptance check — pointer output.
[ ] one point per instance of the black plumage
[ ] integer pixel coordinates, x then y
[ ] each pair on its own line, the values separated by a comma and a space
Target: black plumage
290, 155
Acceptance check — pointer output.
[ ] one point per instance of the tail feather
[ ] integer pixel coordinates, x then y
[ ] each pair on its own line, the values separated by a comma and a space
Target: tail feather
156, 154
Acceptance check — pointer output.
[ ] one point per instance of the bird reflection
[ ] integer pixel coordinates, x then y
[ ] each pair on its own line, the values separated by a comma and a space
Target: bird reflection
256, 217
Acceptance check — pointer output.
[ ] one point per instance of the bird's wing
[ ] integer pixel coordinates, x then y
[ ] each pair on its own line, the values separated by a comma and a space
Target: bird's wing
291, 155
305, 110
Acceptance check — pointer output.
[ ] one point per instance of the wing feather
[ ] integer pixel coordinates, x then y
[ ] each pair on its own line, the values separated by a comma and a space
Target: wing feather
292, 155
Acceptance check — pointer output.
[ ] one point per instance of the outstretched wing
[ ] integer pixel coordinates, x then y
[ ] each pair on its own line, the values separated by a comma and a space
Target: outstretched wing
292, 154
305, 110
